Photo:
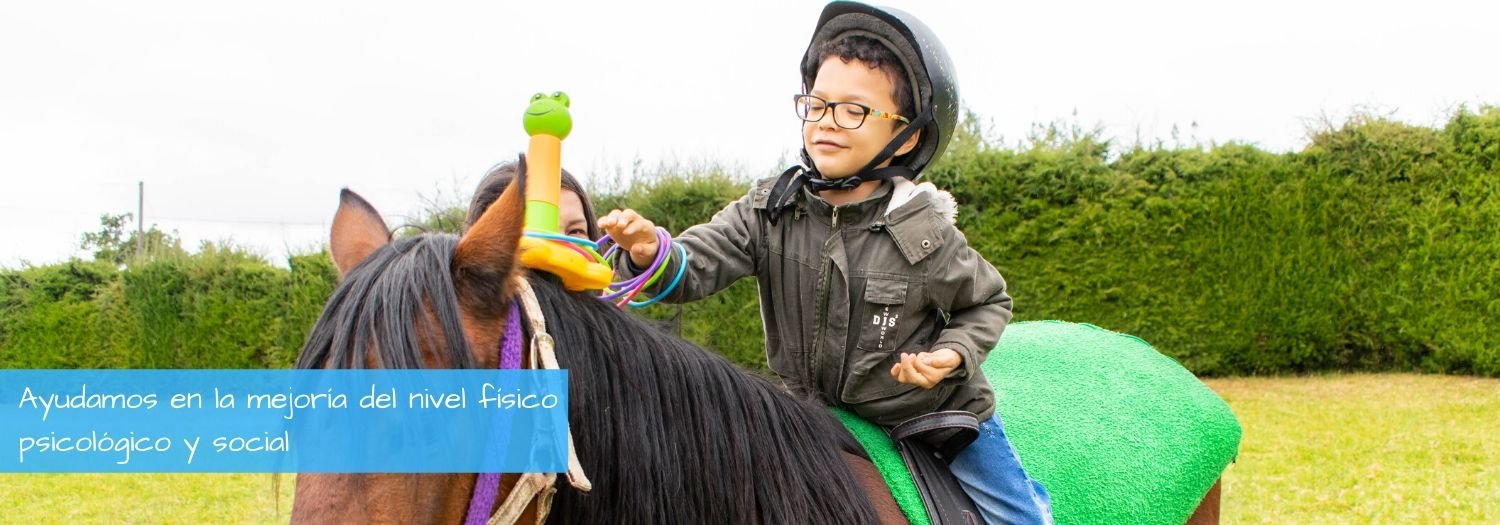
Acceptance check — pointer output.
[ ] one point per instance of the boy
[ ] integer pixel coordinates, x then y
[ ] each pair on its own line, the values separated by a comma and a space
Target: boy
870, 297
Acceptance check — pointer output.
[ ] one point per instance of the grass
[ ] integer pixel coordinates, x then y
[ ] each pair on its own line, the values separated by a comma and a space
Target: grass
1323, 449
144, 498
1364, 449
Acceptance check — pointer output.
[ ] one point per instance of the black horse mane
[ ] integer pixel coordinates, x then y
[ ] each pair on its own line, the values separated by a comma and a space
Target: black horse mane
667, 431
383, 304
671, 433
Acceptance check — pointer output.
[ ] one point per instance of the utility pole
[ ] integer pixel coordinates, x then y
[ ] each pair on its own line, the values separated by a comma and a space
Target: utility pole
140, 220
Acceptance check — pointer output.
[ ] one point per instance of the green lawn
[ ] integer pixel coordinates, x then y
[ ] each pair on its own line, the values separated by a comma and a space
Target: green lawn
1327, 449
1364, 449
144, 498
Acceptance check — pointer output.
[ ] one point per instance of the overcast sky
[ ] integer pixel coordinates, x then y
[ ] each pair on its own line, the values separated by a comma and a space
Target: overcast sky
244, 119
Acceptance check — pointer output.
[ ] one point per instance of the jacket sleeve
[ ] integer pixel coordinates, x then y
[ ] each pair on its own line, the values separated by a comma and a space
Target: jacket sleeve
972, 292
719, 253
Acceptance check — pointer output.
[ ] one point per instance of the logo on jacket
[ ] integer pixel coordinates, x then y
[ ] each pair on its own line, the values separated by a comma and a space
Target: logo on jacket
885, 320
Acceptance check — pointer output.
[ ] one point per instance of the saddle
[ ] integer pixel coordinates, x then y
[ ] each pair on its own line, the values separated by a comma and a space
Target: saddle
920, 481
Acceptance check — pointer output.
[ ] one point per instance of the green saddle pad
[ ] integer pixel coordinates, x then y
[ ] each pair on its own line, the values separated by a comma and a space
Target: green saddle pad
1117, 432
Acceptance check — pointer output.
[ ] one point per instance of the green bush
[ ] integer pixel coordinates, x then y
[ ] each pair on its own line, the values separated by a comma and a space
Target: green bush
1375, 247
219, 308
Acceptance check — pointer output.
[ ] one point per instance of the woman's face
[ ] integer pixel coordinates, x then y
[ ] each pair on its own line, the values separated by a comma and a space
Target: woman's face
570, 214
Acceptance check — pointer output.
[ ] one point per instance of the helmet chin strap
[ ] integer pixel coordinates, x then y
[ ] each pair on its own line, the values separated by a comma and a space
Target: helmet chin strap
870, 171
793, 179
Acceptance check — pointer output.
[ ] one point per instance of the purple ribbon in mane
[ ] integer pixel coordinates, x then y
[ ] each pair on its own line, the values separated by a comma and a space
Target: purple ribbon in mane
487, 487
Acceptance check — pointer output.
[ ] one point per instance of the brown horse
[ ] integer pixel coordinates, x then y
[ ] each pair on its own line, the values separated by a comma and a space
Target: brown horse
667, 431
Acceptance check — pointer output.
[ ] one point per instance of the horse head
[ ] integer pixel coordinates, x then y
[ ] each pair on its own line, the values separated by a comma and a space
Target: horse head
429, 301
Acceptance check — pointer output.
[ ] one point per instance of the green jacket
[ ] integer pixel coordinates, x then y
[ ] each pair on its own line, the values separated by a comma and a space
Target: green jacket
844, 290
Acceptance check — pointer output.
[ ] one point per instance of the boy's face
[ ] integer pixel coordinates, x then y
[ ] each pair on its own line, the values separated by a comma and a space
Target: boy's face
839, 152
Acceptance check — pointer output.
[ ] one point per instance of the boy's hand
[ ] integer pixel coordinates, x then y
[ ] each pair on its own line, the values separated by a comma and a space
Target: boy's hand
633, 233
927, 368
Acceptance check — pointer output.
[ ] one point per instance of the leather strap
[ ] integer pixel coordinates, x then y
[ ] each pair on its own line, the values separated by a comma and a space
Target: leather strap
962, 427
791, 181
537, 485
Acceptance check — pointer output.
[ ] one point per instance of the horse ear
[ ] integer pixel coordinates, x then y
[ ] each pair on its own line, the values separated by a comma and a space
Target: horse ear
491, 245
358, 231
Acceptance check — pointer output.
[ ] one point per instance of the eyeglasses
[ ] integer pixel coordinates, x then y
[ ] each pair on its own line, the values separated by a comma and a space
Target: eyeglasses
847, 115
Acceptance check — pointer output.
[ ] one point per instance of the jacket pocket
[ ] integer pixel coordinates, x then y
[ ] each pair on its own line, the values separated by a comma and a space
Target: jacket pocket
886, 330
872, 393
868, 376
880, 323
788, 363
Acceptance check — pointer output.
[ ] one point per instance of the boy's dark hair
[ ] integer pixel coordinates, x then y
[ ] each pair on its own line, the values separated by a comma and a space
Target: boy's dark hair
500, 176
877, 56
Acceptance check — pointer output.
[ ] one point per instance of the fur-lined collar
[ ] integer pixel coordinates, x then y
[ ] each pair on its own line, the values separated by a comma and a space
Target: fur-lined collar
905, 190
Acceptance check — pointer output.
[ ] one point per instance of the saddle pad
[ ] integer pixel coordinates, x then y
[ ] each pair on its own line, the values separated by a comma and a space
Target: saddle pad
1117, 432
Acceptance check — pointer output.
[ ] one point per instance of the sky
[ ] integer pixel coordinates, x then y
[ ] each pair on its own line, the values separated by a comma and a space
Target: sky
243, 120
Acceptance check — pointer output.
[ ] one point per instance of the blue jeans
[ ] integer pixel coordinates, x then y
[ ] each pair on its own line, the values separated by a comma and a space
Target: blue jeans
990, 472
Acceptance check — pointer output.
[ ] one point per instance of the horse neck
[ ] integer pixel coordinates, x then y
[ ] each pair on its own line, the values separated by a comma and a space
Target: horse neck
669, 432
381, 498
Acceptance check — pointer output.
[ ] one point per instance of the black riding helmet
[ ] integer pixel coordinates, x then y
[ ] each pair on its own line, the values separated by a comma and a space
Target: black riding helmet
929, 72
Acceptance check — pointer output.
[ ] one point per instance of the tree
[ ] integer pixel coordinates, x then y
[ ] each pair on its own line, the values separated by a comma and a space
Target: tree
111, 243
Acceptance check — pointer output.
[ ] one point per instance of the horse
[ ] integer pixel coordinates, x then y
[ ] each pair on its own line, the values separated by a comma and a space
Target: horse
667, 431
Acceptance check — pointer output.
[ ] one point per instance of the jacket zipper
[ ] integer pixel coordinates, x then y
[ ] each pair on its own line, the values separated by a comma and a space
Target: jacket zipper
815, 356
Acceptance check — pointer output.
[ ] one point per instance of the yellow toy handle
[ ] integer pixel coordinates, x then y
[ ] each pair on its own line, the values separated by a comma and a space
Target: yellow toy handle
548, 122
543, 183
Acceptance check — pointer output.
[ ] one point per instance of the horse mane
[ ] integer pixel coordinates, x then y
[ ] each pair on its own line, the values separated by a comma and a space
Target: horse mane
387, 304
668, 432
646, 407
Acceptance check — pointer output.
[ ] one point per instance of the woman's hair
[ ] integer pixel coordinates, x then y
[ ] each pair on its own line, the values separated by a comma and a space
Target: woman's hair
500, 176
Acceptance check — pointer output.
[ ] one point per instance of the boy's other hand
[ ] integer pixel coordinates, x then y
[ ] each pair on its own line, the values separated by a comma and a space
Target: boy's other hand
633, 233
926, 369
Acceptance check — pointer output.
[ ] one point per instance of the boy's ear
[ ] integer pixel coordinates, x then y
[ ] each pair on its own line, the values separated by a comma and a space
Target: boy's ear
357, 232
910, 144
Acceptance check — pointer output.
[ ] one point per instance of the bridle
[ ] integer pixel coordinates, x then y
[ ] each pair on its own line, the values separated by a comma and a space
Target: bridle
539, 486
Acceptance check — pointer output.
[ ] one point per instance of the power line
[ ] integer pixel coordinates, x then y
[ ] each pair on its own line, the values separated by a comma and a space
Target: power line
140, 225
180, 219
238, 221
47, 211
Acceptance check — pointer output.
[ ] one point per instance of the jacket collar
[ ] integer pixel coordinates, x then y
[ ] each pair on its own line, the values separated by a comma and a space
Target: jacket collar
913, 214
864, 211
